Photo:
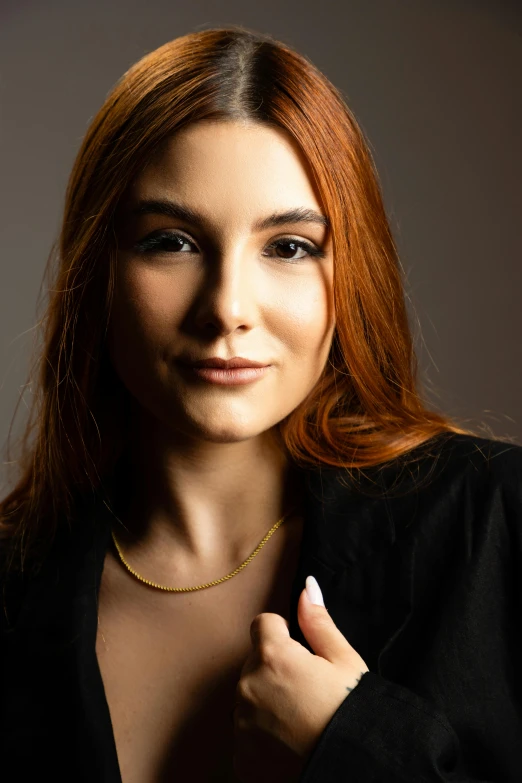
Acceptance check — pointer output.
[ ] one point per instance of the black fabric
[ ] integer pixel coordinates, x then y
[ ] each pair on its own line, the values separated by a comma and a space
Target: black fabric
420, 568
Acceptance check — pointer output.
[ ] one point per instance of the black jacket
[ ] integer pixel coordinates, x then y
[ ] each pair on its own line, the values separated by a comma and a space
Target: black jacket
420, 566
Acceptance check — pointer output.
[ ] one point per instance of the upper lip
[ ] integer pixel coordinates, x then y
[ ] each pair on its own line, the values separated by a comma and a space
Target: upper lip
224, 364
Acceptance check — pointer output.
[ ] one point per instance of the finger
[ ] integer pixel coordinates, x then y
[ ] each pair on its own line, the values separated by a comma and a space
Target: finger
268, 626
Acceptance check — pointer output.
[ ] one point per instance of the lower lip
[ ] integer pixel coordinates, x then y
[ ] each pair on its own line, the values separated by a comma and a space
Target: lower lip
236, 377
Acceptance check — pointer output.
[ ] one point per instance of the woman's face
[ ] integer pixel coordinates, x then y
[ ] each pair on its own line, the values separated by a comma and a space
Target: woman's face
217, 284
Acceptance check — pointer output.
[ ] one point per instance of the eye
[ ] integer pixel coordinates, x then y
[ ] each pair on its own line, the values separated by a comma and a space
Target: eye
290, 246
166, 242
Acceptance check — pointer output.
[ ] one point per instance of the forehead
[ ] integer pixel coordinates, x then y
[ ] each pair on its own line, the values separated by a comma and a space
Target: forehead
241, 166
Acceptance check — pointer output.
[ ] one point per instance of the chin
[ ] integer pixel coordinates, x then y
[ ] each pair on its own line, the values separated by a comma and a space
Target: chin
232, 434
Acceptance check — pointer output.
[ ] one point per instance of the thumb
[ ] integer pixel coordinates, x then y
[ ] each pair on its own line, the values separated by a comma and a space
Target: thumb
317, 626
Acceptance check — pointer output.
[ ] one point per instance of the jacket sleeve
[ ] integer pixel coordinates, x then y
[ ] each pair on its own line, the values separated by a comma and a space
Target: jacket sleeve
385, 733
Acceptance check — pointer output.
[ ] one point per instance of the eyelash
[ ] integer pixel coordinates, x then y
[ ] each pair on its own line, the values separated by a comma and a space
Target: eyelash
159, 242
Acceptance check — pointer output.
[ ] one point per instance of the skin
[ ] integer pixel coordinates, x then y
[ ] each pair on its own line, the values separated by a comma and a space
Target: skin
210, 481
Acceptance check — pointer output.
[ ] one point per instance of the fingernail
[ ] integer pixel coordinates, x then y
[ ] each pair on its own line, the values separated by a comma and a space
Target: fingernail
313, 591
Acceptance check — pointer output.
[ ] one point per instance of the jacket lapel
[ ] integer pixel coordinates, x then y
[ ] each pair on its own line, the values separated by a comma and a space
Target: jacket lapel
357, 545
44, 724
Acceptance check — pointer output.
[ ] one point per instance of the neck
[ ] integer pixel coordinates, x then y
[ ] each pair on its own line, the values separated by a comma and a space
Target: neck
203, 504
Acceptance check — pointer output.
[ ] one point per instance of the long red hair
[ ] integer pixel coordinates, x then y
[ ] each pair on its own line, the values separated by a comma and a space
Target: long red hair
364, 410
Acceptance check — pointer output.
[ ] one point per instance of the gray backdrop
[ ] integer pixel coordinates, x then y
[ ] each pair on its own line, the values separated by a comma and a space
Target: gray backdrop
436, 87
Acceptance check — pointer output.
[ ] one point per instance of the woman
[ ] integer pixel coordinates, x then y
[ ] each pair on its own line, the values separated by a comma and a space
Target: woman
171, 512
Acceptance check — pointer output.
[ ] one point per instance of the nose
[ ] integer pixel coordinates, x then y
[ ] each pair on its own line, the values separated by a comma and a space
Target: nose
226, 299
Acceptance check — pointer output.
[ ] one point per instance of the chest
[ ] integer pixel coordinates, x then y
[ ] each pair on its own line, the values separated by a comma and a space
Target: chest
170, 664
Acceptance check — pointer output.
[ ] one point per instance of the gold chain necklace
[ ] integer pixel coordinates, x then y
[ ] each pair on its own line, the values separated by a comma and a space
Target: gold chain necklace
208, 584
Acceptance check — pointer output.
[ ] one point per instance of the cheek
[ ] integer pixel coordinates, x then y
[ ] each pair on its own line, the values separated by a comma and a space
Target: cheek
143, 322
307, 311
145, 309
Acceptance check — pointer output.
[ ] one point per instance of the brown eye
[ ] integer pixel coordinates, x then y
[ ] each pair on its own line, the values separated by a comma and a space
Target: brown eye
287, 248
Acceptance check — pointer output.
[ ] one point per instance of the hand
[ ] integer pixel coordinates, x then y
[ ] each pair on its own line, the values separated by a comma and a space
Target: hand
286, 695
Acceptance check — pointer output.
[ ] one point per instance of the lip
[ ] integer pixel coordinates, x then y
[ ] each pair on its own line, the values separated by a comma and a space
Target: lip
218, 375
223, 364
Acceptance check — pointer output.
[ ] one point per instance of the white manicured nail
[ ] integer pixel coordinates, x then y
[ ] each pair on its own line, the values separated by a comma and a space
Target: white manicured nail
313, 591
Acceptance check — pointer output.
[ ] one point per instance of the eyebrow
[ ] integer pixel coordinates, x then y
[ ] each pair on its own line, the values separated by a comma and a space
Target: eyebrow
173, 210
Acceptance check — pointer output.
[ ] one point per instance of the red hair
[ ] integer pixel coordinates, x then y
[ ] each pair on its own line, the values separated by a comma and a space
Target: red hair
364, 410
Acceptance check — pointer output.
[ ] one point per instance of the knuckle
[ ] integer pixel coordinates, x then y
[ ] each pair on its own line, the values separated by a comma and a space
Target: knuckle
268, 653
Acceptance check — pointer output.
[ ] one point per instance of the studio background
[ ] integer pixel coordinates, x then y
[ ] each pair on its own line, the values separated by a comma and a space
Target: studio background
435, 86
